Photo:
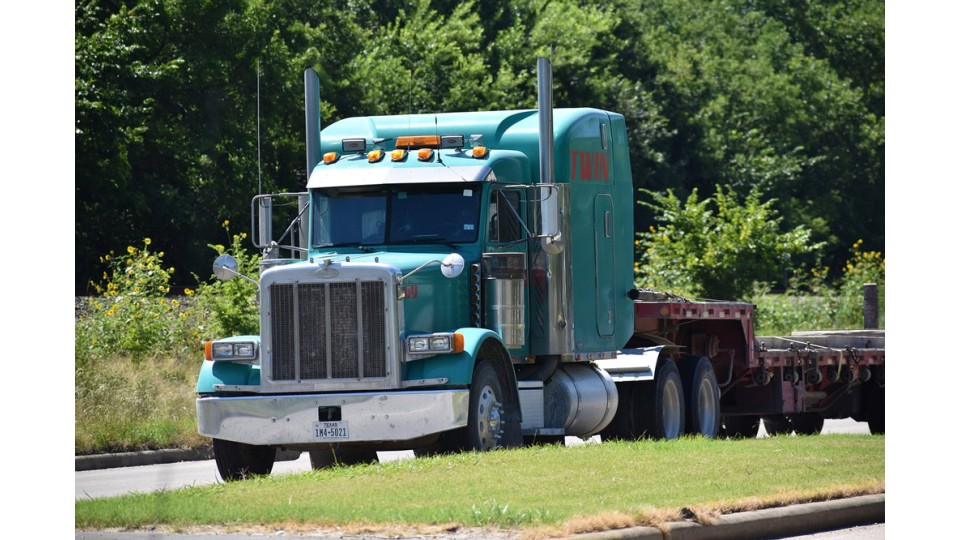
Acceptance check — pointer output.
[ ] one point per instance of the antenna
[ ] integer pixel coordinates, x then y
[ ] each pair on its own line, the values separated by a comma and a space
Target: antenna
259, 173
436, 131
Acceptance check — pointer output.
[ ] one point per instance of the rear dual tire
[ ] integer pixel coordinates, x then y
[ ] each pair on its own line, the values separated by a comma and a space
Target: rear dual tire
660, 407
702, 396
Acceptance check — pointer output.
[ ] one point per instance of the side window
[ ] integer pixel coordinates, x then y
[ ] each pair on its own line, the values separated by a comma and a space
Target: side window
504, 209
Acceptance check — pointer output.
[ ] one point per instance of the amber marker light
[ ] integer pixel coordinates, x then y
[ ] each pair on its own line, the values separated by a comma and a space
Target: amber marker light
424, 154
418, 141
457, 343
398, 155
375, 155
479, 152
330, 157
208, 350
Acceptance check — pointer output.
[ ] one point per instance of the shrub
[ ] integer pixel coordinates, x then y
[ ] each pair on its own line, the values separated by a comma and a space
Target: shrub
813, 303
133, 316
716, 247
232, 305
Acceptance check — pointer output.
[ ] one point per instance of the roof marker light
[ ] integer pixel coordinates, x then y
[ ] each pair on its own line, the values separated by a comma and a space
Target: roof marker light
330, 157
398, 155
418, 141
479, 152
374, 156
425, 154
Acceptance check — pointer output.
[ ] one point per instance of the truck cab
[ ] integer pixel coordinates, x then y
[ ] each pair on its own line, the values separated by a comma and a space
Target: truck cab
445, 293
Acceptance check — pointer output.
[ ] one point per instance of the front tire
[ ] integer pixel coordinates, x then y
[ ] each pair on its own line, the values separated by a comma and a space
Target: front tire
237, 461
485, 419
660, 403
703, 396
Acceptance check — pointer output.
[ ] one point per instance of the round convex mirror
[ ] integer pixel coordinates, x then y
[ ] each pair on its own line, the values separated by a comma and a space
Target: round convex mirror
452, 265
225, 267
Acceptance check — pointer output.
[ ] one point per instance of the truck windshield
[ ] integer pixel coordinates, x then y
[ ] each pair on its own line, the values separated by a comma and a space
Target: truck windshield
400, 214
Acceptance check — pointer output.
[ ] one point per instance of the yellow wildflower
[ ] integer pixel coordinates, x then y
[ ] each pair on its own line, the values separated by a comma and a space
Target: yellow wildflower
131, 250
188, 292
146, 241
226, 223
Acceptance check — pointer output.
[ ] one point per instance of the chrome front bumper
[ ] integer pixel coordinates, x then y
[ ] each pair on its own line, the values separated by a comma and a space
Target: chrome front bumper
369, 416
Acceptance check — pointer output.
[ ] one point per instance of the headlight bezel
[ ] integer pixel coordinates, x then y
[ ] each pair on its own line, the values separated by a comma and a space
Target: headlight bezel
240, 351
423, 345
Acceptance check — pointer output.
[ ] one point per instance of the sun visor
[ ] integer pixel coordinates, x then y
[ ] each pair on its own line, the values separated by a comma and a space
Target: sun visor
371, 176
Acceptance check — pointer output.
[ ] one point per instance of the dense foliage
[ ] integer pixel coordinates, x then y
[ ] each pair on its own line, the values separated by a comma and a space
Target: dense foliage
785, 96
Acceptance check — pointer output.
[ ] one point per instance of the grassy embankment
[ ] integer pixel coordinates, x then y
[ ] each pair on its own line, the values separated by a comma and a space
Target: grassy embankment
537, 491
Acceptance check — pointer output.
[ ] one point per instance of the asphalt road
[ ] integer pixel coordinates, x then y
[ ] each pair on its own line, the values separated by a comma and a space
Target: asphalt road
150, 478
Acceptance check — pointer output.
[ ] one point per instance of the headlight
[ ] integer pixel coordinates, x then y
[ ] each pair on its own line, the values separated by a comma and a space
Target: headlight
231, 350
435, 344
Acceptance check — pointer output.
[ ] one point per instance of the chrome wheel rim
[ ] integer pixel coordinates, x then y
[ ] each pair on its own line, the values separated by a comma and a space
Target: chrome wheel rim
488, 419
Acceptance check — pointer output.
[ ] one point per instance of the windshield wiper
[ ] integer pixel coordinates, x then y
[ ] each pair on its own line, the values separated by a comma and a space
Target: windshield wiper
358, 245
429, 239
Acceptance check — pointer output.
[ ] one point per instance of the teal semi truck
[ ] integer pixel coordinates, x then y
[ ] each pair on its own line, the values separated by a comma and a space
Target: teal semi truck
464, 281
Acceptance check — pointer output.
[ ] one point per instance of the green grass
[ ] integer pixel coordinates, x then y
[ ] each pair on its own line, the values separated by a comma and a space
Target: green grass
615, 483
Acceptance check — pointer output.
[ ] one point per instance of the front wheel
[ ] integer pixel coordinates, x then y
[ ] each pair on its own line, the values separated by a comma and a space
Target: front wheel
237, 461
660, 403
485, 419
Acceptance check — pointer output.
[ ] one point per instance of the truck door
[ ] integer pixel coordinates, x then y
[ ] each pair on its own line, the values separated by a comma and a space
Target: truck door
603, 242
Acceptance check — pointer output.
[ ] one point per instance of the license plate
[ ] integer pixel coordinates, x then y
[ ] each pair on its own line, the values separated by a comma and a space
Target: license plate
326, 431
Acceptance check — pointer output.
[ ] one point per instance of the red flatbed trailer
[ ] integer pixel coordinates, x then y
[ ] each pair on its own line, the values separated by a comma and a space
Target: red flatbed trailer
791, 382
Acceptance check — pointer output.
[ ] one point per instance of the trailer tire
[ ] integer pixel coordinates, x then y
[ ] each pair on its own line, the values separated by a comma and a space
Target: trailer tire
872, 398
660, 403
703, 396
345, 457
485, 417
777, 425
741, 427
237, 461
807, 423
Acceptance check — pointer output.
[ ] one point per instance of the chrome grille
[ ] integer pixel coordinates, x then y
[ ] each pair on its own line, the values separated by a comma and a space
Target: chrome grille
328, 331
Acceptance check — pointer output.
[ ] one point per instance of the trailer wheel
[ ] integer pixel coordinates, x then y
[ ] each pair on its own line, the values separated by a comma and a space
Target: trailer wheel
660, 405
328, 457
777, 425
485, 419
703, 396
807, 423
873, 403
741, 427
237, 461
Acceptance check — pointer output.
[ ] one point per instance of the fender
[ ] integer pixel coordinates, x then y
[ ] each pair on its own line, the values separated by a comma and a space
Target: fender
457, 368
232, 373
